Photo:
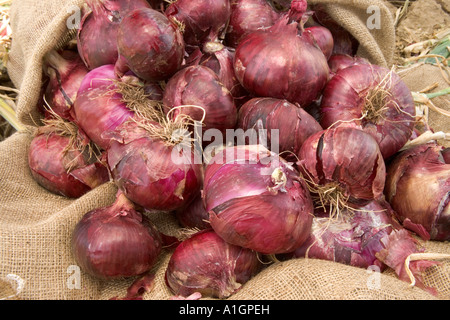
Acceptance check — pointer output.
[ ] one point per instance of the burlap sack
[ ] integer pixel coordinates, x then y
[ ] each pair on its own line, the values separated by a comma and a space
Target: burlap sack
36, 226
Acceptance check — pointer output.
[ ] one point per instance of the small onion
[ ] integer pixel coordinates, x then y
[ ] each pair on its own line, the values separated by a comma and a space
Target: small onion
202, 20
60, 162
321, 37
256, 200
150, 170
98, 77
343, 165
66, 71
293, 124
96, 37
248, 16
205, 263
149, 45
198, 85
338, 62
280, 62
374, 98
116, 241
418, 188
194, 214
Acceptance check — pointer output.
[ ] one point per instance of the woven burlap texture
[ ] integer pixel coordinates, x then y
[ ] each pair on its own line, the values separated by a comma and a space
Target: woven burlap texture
36, 226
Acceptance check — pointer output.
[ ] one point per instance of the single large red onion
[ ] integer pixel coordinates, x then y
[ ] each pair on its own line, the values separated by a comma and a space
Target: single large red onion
207, 264
66, 71
96, 38
280, 62
292, 123
365, 237
149, 45
202, 20
149, 169
61, 162
256, 200
248, 16
116, 241
375, 99
199, 86
343, 165
418, 188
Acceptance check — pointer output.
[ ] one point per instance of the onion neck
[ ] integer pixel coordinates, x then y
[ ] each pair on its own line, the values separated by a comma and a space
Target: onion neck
54, 60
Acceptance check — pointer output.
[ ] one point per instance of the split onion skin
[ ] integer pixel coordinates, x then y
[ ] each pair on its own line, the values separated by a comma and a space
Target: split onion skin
418, 188
207, 264
247, 208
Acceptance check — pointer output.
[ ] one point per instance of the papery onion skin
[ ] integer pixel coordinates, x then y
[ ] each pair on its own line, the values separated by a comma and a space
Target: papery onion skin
418, 189
98, 77
143, 168
347, 156
100, 110
116, 241
248, 16
157, 53
66, 71
338, 62
256, 200
293, 123
62, 169
96, 37
194, 215
384, 108
279, 63
203, 20
199, 86
321, 37
207, 264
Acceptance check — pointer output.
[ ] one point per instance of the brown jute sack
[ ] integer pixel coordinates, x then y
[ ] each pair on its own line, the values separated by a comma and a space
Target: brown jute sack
36, 226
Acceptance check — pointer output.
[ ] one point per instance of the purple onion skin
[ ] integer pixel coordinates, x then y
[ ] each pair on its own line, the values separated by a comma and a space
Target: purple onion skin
281, 63
142, 167
98, 77
338, 62
293, 123
207, 264
158, 50
194, 215
116, 241
203, 20
347, 156
99, 111
70, 174
354, 238
446, 155
250, 208
321, 37
66, 71
248, 16
418, 189
199, 86
98, 30
344, 99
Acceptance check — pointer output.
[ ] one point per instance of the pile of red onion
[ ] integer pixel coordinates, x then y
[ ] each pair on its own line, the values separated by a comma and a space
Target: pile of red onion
255, 125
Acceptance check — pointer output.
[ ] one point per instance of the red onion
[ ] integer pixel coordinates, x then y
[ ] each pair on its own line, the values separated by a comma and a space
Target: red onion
149, 45
151, 169
248, 16
321, 37
418, 188
202, 20
446, 155
194, 215
367, 236
98, 77
199, 86
96, 38
338, 62
256, 200
205, 263
293, 124
66, 71
376, 100
280, 62
60, 160
342, 165
116, 241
